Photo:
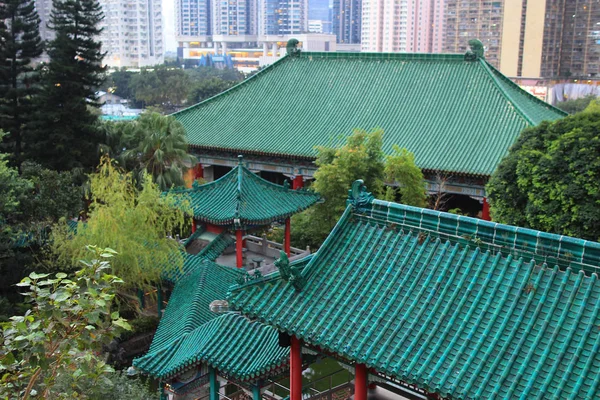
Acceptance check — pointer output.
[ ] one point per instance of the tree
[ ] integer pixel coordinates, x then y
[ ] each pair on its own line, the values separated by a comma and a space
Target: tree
63, 332
66, 134
361, 157
550, 179
160, 149
20, 42
162, 87
400, 168
576, 105
135, 222
208, 88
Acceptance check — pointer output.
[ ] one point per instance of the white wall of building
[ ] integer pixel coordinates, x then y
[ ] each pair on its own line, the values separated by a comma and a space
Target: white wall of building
132, 33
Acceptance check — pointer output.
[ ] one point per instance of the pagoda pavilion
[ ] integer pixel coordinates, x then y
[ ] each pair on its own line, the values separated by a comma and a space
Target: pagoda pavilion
456, 113
198, 341
448, 306
242, 201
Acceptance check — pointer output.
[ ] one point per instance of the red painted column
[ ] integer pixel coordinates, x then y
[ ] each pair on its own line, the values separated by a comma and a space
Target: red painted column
193, 225
199, 171
286, 241
238, 248
360, 382
298, 182
485, 214
295, 369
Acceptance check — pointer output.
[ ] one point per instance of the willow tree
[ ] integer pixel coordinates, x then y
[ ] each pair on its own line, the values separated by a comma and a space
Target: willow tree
137, 223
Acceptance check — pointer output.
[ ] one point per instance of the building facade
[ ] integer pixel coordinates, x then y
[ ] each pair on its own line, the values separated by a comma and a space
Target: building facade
346, 20
527, 38
192, 18
282, 17
402, 26
132, 33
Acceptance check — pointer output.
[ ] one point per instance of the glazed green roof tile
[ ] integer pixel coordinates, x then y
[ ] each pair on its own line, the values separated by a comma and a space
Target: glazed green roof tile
201, 282
234, 345
458, 306
244, 196
454, 115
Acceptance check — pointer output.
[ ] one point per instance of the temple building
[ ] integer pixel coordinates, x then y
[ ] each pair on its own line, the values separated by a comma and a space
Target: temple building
425, 303
200, 348
441, 305
456, 112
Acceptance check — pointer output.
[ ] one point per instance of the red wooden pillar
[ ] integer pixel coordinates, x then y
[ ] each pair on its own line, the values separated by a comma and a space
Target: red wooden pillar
360, 382
485, 214
199, 171
298, 182
238, 249
286, 241
193, 225
295, 369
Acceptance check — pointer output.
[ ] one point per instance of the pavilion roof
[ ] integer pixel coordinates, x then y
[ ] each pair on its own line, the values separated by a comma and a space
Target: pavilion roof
234, 345
455, 114
199, 283
243, 196
458, 306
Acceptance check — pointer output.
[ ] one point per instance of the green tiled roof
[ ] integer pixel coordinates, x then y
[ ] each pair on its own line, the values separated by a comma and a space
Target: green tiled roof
458, 306
201, 282
243, 195
454, 115
232, 344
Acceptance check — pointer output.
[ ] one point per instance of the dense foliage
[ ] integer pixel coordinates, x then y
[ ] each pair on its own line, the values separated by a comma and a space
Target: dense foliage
63, 332
550, 179
361, 157
66, 134
576, 105
135, 222
167, 89
20, 43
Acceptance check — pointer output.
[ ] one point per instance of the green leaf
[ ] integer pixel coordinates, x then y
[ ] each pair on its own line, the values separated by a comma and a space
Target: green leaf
61, 275
33, 275
122, 323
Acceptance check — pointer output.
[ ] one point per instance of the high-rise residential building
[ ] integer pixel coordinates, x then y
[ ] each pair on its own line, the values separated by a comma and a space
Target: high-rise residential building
192, 18
529, 38
282, 17
346, 20
233, 17
132, 33
402, 25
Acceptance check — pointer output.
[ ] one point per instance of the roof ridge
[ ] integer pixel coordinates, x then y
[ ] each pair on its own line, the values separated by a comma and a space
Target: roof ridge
499, 75
386, 56
234, 87
517, 107
549, 248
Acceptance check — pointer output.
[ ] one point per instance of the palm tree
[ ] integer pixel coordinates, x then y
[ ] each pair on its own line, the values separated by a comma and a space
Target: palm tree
161, 150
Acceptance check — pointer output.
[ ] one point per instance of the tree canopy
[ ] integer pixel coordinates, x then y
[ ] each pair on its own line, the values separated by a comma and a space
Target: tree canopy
550, 180
65, 133
361, 157
20, 43
63, 332
135, 222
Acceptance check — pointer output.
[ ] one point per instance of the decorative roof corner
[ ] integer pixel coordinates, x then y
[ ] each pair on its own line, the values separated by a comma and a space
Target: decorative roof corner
288, 273
358, 195
292, 48
476, 50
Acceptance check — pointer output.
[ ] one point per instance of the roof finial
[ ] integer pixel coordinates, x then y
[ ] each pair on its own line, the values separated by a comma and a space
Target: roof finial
291, 48
358, 195
240, 159
476, 50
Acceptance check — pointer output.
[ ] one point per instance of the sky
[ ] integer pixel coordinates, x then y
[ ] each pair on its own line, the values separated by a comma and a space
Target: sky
169, 24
